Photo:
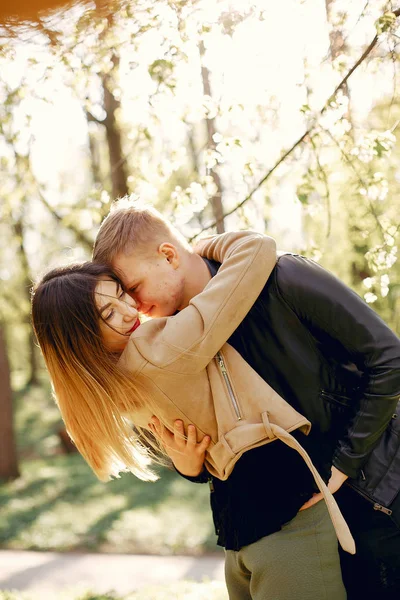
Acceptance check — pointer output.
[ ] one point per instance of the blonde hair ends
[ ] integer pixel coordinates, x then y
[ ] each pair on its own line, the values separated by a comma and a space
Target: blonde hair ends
94, 395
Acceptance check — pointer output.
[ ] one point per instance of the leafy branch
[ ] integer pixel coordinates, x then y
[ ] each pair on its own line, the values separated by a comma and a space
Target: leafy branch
382, 25
80, 236
350, 162
324, 177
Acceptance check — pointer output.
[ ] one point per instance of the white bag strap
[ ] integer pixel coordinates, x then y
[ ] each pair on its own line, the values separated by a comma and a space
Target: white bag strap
342, 529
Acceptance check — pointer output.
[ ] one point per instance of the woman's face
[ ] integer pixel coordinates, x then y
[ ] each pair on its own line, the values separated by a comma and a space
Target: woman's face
119, 317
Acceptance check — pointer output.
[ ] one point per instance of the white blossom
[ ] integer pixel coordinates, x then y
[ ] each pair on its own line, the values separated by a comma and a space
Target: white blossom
370, 298
368, 282
385, 280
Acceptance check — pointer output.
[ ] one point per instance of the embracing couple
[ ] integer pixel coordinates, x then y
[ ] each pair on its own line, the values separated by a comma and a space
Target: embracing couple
259, 373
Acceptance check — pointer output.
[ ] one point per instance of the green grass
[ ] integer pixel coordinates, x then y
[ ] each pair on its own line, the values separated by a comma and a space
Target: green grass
58, 504
178, 591
37, 419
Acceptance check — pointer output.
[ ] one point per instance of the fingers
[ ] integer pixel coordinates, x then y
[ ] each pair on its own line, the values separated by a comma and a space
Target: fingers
155, 424
177, 439
192, 435
191, 442
316, 498
179, 430
164, 435
203, 445
337, 479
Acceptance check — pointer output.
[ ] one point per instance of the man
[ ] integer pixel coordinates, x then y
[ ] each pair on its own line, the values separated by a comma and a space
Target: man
330, 356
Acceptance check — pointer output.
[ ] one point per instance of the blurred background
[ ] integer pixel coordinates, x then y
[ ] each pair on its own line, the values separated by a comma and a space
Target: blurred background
225, 114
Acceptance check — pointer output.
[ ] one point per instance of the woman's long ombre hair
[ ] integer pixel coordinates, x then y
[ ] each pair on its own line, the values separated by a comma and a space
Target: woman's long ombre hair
92, 392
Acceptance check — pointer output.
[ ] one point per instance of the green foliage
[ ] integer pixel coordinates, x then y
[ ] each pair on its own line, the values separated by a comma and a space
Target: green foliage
181, 590
37, 419
385, 23
162, 71
108, 596
56, 178
58, 504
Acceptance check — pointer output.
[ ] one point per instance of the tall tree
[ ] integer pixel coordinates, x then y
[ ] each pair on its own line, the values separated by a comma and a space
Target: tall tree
112, 105
216, 200
26, 287
118, 172
8, 454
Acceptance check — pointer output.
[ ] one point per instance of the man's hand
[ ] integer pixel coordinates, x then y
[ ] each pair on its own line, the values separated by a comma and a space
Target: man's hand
186, 452
336, 481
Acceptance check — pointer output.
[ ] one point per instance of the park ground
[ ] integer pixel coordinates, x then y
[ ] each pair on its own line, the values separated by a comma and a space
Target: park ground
65, 535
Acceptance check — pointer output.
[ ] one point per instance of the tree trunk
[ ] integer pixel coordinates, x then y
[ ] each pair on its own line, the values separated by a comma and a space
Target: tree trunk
94, 155
114, 140
26, 286
33, 356
118, 173
8, 454
216, 200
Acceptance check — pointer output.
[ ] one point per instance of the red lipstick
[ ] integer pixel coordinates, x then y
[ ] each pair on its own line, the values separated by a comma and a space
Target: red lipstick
136, 325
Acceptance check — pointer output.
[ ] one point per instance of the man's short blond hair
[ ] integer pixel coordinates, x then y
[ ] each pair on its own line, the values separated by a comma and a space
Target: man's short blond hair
132, 226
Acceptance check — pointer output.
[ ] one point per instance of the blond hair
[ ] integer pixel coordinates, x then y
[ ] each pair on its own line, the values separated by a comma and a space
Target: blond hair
93, 393
132, 226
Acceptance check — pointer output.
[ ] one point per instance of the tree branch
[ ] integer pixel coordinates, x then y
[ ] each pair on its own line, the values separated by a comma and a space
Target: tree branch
86, 242
347, 158
324, 178
364, 55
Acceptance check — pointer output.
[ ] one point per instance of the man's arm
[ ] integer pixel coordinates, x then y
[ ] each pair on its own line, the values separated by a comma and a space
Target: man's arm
329, 309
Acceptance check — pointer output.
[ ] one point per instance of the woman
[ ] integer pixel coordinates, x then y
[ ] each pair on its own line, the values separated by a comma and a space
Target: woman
83, 338
105, 367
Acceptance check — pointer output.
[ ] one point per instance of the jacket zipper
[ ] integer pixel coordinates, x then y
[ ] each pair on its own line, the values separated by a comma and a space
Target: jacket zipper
336, 399
383, 509
375, 505
221, 363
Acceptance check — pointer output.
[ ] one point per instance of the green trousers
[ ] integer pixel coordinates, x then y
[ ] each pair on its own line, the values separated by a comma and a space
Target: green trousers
299, 562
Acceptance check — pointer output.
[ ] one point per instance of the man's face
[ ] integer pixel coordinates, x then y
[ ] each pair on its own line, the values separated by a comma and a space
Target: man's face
156, 282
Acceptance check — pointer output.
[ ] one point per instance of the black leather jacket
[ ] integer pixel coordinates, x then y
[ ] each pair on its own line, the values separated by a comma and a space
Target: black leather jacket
332, 357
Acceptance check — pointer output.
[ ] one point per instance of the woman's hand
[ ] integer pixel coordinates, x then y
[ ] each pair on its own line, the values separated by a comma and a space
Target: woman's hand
200, 244
186, 452
336, 481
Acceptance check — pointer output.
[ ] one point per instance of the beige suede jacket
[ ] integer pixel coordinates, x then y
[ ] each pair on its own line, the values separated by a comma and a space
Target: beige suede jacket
193, 375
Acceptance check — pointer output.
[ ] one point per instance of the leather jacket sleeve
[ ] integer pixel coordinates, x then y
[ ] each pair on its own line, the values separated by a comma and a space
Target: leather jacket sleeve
327, 307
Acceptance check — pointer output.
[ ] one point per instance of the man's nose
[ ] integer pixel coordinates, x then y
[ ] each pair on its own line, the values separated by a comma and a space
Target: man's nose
133, 303
134, 300
137, 304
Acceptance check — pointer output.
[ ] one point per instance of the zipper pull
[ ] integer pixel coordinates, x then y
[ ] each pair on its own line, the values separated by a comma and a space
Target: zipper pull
381, 508
211, 485
363, 475
221, 363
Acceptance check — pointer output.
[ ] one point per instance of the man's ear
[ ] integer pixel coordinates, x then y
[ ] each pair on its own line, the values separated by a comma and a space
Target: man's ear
170, 253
